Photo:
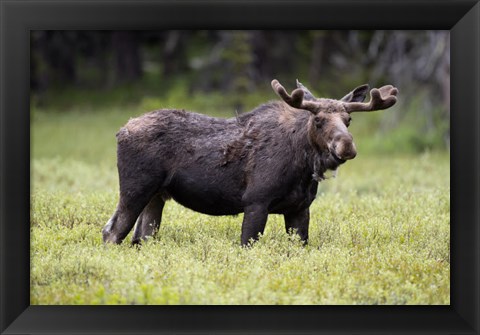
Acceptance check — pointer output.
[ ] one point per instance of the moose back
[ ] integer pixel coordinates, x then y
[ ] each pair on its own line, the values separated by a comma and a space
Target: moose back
269, 160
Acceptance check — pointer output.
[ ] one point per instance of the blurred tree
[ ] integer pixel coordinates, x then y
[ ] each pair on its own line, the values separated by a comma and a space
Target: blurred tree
53, 58
93, 59
128, 63
317, 56
418, 62
261, 62
238, 57
173, 53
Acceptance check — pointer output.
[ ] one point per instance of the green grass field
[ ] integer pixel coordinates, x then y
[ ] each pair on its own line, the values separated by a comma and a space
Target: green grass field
379, 232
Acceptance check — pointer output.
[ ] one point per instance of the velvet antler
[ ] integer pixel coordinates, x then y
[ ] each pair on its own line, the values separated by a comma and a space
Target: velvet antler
380, 98
296, 99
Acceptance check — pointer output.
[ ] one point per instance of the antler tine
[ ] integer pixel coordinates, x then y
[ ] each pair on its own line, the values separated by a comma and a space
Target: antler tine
380, 98
295, 99
307, 94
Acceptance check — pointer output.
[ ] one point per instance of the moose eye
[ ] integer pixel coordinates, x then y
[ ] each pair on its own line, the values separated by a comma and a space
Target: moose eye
319, 121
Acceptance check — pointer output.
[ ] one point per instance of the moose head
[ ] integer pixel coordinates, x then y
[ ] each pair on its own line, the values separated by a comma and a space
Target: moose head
330, 118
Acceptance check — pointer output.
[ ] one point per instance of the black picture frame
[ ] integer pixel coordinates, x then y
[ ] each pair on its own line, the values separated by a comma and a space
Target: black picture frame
18, 17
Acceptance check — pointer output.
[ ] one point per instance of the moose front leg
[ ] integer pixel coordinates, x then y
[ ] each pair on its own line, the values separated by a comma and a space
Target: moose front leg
299, 222
254, 220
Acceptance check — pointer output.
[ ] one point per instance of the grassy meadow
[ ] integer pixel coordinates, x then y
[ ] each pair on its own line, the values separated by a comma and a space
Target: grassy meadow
379, 231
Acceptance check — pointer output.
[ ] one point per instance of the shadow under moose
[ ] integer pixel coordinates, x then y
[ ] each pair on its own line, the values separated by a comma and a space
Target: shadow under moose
269, 160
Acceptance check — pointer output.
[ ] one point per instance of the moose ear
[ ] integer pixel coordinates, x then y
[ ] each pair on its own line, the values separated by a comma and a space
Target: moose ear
357, 95
307, 95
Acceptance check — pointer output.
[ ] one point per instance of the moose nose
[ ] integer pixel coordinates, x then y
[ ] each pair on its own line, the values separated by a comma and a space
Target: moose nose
351, 153
345, 148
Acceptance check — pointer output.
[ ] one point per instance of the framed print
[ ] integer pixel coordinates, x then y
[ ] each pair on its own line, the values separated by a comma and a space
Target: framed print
24, 310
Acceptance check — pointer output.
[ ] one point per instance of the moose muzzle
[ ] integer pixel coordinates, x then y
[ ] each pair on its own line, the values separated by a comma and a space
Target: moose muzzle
343, 147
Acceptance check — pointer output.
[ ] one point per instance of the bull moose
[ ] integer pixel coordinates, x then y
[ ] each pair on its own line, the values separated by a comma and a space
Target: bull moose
269, 160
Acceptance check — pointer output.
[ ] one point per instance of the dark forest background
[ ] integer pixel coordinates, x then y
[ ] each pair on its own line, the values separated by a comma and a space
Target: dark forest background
220, 72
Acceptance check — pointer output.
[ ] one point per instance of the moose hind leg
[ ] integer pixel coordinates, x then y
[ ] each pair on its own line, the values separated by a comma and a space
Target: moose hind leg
298, 221
129, 207
149, 220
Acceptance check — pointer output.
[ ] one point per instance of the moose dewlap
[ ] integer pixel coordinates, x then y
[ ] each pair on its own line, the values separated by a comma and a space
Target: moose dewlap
269, 160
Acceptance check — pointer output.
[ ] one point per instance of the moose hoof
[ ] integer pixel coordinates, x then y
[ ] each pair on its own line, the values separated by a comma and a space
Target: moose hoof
109, 237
